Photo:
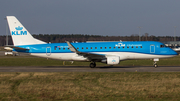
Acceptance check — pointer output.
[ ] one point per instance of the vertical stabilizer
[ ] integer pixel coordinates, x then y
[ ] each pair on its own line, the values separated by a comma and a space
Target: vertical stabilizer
19, 34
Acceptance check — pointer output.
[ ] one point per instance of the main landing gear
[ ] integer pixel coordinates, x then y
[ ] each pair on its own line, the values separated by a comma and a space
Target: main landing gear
92, 65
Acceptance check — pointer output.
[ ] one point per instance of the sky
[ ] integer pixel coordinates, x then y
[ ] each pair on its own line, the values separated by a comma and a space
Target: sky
94, 17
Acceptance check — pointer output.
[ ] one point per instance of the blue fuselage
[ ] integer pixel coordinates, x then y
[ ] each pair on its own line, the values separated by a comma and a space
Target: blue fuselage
144, 47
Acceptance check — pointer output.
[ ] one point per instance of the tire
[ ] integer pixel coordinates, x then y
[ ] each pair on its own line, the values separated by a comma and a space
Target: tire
92, 65
155, 65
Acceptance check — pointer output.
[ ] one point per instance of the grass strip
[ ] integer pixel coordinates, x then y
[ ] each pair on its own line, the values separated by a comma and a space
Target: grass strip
35, 61
90, 86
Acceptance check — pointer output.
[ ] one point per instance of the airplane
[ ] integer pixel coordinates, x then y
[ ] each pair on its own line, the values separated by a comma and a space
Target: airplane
110, 53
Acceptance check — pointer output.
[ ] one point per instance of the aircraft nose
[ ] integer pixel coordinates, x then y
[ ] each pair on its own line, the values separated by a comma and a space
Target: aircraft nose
174, 52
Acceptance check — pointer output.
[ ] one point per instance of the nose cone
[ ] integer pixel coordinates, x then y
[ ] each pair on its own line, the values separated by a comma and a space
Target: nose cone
174, 52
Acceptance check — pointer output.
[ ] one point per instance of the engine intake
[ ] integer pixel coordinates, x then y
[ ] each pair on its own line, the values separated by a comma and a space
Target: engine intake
112, 60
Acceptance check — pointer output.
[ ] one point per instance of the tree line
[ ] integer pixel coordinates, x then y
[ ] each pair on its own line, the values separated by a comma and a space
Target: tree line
57, 38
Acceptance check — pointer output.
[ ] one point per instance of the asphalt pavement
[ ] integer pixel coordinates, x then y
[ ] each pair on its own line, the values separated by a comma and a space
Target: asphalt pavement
88, 69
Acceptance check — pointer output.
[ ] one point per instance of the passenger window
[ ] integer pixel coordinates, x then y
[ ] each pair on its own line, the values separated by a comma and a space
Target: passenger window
95, 47
63, 48
82, 48
55, 47
101, 47
141, 46
59, 48
118, 47
132, 47
91, 48
136, 46
86, 47
77, 48
127, 46
105, 47
68, 48
123, 47
109, 47
114, 47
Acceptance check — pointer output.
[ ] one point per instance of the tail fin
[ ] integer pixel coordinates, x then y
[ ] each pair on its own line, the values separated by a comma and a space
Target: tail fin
19, 34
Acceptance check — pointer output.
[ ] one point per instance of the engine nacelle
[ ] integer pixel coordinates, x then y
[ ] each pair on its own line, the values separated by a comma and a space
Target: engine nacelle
112, 60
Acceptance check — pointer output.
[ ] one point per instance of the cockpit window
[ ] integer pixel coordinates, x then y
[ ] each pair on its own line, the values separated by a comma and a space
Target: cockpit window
161, 46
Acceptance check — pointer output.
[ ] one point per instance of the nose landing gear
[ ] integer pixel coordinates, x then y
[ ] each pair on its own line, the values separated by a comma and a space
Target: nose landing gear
155, 64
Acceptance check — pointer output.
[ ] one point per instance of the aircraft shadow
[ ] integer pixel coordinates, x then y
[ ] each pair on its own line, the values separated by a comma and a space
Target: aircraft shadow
102, 67
99, 67
115, 67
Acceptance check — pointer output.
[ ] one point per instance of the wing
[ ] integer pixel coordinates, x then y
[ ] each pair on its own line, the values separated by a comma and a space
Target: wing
90, 56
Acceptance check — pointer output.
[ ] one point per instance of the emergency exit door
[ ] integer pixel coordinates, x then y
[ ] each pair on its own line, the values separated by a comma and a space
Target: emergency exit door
152, 49
48, 51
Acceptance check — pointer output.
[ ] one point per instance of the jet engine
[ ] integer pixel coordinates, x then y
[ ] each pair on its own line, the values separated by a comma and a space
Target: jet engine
111, 60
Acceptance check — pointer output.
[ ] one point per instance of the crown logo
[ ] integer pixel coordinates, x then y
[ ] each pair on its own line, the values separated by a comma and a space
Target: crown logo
113, 60
19, 28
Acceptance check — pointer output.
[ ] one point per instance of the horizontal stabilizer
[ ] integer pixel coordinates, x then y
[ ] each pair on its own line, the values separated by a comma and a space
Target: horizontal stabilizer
8, 48
14, 47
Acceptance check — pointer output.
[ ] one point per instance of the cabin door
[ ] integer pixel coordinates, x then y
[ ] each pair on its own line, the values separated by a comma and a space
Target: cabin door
152, 49
48, 51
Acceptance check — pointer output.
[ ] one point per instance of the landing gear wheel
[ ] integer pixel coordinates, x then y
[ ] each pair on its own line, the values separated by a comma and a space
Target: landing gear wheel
92, 65
155, 64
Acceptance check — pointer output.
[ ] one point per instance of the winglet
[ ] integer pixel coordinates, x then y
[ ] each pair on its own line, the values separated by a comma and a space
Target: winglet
85, 54
72, 48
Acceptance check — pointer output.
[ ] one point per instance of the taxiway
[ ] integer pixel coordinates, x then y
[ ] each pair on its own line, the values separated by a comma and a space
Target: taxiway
87, 69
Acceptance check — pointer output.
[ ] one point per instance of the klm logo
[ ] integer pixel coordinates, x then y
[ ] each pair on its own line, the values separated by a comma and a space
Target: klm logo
19, 31
120, 44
